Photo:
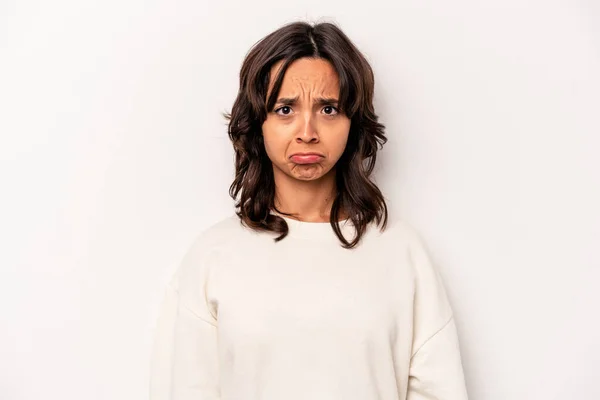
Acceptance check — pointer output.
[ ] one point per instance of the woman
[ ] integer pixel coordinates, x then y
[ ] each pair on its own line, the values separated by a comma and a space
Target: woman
307, 292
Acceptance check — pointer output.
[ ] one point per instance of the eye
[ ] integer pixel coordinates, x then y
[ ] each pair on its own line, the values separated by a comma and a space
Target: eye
330, 110
285, 110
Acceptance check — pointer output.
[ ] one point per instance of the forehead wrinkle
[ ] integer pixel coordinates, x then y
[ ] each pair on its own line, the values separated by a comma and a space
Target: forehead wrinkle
302, 82
323, 89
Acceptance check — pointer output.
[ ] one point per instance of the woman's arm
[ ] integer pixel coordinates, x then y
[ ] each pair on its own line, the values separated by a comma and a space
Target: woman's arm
436, 371
184, 362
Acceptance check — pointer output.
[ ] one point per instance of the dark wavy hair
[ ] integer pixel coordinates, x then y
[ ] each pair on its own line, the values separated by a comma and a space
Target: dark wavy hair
254, 182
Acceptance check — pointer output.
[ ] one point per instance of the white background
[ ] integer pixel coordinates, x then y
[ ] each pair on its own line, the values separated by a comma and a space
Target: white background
114, 155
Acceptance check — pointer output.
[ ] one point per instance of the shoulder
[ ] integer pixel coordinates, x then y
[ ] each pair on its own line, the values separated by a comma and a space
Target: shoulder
223, 227
401, 233
208, 246
221, 233
409, 247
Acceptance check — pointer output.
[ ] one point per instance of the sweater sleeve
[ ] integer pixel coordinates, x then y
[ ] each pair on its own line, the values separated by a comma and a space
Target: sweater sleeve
436, 371
184, 361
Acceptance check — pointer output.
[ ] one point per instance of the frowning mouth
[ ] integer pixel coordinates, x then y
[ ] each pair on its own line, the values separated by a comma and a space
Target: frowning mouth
306, 158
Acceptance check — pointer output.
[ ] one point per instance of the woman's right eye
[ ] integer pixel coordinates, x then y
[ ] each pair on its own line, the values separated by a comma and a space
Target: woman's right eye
285, 110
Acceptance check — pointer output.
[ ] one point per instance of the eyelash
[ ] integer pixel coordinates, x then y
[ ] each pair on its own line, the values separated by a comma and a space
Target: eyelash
329, 115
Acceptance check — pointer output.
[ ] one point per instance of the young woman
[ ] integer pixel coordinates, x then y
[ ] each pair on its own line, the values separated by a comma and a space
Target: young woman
308, 291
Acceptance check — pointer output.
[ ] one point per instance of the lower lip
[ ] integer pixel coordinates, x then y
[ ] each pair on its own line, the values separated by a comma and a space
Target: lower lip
311, 159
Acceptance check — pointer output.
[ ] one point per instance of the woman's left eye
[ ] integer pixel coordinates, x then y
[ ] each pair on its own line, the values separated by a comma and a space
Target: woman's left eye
330, 110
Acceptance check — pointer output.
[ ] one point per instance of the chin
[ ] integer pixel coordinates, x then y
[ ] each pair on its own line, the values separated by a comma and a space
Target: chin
309, 177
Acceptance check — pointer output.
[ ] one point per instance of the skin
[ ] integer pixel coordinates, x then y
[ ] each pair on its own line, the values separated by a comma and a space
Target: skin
310, 123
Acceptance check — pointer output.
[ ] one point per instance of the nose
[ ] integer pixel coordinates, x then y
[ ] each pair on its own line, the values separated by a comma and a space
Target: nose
307, 131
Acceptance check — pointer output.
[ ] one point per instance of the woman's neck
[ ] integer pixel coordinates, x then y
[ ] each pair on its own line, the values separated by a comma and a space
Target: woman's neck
309, 201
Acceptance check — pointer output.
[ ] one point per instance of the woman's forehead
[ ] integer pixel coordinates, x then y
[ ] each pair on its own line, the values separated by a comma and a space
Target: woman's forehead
307, 74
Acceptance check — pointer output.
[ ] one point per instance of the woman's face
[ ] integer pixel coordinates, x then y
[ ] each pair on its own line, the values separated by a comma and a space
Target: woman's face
306, 120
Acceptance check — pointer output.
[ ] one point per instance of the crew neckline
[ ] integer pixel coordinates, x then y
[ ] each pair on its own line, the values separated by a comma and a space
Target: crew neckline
321, 230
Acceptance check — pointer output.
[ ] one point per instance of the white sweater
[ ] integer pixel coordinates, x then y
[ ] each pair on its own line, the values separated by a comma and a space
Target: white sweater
246, 318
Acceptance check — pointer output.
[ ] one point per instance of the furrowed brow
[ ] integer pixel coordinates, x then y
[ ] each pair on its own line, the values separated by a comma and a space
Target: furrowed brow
326, 101
287, 101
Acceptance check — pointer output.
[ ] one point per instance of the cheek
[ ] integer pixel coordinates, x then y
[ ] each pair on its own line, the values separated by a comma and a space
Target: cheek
341, 139
272, 141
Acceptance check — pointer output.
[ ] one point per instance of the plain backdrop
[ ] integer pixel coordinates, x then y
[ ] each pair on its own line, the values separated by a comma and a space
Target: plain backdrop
114, 156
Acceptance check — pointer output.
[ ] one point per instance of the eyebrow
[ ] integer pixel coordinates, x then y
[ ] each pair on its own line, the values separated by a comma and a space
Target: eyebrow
288, 101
